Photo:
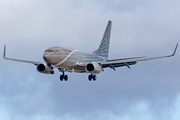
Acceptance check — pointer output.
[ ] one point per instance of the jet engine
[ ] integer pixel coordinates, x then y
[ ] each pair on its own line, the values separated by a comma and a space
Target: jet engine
93, 68
43, 68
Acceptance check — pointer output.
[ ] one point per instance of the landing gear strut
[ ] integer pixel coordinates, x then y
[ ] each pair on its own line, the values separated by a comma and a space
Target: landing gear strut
51, 71
65, 77
51, 68
90, 77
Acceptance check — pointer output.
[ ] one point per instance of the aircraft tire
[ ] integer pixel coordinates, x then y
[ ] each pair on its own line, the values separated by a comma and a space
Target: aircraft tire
51, 72
61, 77
94, 77
90, 77
65, 77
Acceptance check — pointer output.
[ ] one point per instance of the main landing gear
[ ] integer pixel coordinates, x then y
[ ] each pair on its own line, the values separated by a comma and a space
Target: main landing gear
90, 77
65, 77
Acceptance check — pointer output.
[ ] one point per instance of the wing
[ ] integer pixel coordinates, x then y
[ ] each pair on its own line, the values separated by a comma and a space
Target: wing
25, 61
130, 61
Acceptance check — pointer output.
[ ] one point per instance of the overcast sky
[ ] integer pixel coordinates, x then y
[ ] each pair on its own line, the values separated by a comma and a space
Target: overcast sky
148, 91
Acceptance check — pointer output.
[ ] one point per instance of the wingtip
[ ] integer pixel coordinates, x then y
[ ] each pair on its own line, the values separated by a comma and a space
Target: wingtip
4, 53
175, 49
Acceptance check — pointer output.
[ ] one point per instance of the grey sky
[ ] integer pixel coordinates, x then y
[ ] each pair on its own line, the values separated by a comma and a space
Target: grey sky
148, 91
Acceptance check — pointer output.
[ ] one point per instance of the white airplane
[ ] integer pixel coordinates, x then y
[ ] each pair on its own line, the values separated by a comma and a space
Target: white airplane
71, 60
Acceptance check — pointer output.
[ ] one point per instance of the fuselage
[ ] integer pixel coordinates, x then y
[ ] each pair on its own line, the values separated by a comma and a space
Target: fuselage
69, 59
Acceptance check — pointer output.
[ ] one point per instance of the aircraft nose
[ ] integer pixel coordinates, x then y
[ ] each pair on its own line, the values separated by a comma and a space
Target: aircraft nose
46, 58
52, 57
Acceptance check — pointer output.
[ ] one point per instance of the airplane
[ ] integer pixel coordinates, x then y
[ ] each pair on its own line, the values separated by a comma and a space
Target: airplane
72, 60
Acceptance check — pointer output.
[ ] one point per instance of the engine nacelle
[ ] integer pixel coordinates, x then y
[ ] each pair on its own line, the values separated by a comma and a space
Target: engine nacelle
93, 68
43, 68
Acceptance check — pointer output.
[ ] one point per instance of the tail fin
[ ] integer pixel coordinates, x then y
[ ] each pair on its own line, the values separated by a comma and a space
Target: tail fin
104, 45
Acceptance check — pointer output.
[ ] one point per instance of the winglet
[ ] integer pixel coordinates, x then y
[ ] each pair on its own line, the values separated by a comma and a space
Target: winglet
4, 54
175, 50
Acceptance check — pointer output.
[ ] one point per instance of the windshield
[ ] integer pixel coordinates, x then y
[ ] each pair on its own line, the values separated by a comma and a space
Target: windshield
54, 51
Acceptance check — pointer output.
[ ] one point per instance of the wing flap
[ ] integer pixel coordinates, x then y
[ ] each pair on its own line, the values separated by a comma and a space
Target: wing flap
118, 64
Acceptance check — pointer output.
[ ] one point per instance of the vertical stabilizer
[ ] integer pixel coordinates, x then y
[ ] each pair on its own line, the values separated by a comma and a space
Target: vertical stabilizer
104, 45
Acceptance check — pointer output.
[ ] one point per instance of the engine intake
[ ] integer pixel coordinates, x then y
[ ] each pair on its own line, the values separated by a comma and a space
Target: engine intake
90, 67
93, 68
43, 68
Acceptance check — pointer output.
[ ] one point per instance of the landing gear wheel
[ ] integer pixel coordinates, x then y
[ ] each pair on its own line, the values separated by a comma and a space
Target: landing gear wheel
52, 72
90, 77
61, 77
65, 77
94, 77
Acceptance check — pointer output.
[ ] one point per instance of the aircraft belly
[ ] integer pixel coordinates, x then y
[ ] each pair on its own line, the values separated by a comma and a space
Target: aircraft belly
77, 57
71, 65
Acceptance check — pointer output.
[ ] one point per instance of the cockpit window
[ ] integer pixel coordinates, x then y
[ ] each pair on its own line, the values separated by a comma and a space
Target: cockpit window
48, 51
54, 51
